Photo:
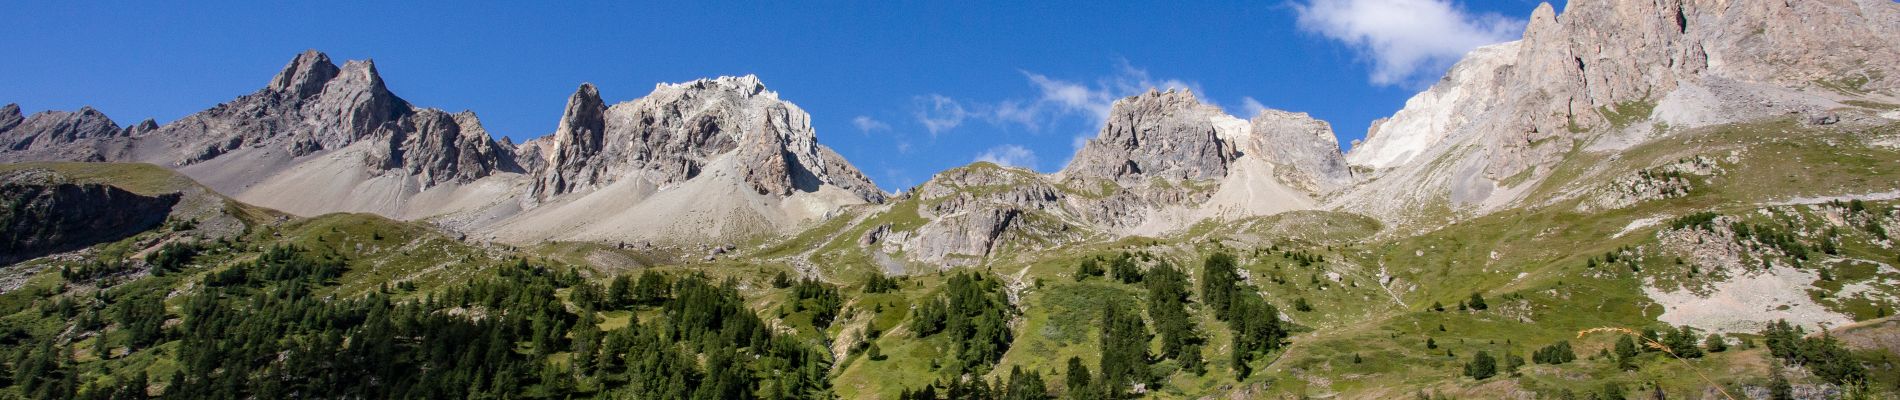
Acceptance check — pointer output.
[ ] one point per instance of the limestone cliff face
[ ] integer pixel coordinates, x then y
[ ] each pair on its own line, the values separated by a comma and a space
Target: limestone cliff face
570, 151
1167, 135
1305, 150
1600, 72
1601, 54
673, 134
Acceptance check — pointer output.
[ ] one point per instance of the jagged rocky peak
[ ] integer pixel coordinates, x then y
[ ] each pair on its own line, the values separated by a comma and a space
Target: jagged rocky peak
1601, 55
312, 105
305, 75
10, 116
1305, 150
141, 128
681, 130
568, 154
48, 129
1169, 135
1606, 74
445, 148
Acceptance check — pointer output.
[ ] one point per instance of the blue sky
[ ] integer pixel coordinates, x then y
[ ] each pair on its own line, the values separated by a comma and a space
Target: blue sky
902, 89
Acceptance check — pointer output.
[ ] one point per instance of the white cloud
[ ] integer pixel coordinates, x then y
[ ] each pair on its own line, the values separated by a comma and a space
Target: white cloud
1055, 100
1009, 155
867, 124
1070, 96
1251, 107
939, 113
1407, 41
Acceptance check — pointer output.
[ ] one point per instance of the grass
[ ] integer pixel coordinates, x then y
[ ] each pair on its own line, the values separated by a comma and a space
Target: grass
1624, 114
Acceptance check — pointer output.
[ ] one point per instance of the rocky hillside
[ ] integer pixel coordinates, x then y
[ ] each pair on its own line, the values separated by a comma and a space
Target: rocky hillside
1163, 162
1609, 74
45, 213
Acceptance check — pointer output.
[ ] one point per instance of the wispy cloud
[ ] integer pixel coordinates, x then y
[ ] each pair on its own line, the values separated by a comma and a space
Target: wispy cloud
939, 113
1408, 42
1009, 155
1251, 107
867, 124
1055, 100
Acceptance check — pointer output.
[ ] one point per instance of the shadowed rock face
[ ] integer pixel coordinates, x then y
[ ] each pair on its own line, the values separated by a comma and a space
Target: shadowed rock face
41, 213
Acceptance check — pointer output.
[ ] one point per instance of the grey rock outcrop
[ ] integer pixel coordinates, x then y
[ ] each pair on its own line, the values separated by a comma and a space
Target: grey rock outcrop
673, 134
49, 130
1162, 162
977, 210
1305, 149
1602, 72
579, 137
10, 117
443, 148
1600, 55
1168, 135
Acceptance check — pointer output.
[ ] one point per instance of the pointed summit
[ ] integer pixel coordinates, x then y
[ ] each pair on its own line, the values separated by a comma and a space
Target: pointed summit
10, 116
579, 137
1156, 134
141, 128
305, 75
582, 122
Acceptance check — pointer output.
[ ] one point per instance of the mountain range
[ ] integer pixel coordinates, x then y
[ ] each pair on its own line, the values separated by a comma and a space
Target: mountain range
1638, 133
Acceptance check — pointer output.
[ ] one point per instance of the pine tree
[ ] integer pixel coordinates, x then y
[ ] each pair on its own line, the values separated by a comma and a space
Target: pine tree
1477, 302
1123, 268
1167, 305
1023, 386
1087, 269
1124, 349
1715, 343
1218, 282
1512, 362
1077, 379
1626, 352
1554, 354
1682, 342
1778, 386
1482, 366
